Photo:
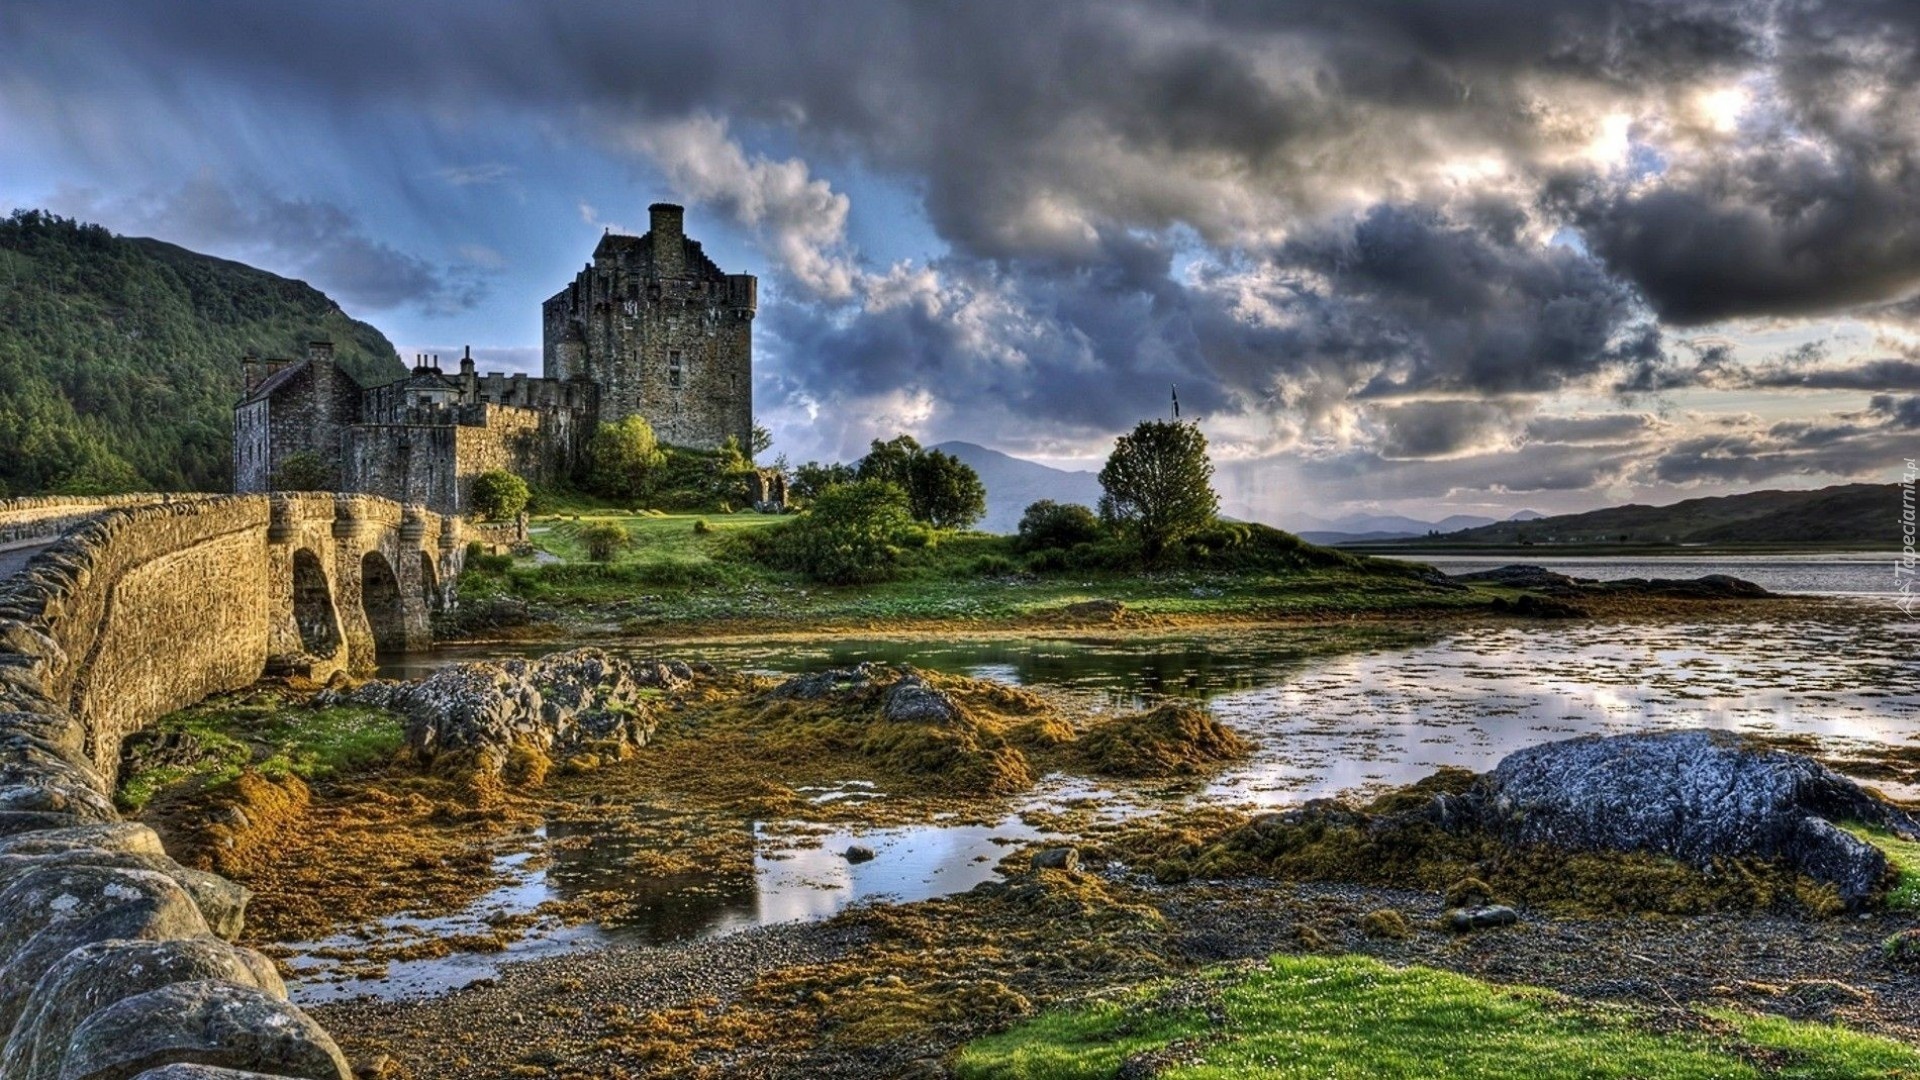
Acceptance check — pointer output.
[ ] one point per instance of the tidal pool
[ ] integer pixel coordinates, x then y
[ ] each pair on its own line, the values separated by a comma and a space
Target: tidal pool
1332, 711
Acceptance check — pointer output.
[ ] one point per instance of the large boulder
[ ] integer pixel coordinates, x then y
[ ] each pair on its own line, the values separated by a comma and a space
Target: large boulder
1693, 795
554, 703
95, 976
52, 911
223, 902
213, 1023
129, 837
201, 1072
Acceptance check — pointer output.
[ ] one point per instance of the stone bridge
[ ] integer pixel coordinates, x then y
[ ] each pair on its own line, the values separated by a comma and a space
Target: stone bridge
115, 961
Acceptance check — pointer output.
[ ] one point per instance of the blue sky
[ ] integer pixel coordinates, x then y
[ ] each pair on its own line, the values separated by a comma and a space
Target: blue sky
1412, 257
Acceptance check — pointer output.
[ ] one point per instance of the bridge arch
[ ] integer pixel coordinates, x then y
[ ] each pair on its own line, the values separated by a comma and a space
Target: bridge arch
381, 598
314, 614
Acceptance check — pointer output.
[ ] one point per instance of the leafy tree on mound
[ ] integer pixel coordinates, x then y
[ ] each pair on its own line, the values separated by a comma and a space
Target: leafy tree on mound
942, 490
604, 539
812, 478
499, 495
623, 458
1049, 524
1158, 485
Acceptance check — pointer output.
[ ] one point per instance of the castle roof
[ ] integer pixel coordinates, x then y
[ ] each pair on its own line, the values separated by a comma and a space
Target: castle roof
272, 383
639, 249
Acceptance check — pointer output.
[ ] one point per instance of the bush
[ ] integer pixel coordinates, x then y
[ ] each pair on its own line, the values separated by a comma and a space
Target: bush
942, 490
1048, 524
623, 459
603, 540
498, 495
702, 527
852, 534
993, 565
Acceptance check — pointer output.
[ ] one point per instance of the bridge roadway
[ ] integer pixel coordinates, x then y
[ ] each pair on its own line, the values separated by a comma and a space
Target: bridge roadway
15, 554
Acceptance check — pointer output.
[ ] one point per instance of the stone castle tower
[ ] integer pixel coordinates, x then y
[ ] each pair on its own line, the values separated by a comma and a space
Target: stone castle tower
655, 326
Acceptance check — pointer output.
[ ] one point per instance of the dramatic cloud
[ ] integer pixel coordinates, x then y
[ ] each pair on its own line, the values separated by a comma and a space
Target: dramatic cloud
308, 238
1399, 249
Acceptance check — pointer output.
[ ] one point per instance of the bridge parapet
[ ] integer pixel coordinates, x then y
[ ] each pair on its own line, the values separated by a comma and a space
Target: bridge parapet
134, 607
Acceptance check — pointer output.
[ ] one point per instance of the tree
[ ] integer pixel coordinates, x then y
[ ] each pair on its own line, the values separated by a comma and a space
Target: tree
603, 540
942, 490
891, 461
851, 533
762, 441
812, 478
1158, 485
302, 470
623, 457
499, 495
1049, 524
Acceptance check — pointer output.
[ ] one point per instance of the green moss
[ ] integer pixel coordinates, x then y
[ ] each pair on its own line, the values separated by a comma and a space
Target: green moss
1350, 1018
261, 731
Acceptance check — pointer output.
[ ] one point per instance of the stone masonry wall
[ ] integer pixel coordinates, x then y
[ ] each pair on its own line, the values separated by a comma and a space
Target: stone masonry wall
115, 961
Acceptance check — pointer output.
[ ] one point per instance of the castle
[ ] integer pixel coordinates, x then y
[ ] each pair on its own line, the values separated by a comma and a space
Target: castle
650, 328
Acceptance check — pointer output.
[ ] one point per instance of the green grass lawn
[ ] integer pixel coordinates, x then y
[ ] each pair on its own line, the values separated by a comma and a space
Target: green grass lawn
1352, 1018
677, 572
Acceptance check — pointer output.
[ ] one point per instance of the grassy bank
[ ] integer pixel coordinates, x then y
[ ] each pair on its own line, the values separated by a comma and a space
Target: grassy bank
685, 570
1330, 1018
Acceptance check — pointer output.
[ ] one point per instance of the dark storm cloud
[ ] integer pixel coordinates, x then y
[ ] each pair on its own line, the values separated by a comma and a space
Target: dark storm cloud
1317, 211
1844, 444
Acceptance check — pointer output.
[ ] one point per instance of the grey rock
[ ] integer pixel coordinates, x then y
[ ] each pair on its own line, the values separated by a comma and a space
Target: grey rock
56, 796
222, 902
1059, 858
94, 976
54, 910
16, 822
200, 1073
823, 684
1462, 920
58, 732
1692, 795
212, 1023
859, 853
118, 836
913, 701
556, 703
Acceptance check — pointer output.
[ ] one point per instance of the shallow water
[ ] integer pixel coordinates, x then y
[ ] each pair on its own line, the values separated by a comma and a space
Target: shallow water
1331, 712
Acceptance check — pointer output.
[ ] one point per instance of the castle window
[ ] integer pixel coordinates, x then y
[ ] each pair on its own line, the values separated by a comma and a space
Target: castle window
673, 369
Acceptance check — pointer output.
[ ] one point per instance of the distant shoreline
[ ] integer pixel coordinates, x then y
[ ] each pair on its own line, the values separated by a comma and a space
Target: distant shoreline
1399, 549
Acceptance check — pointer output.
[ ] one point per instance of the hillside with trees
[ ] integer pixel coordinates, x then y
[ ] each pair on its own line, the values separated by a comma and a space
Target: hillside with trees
119, 357
1857, 515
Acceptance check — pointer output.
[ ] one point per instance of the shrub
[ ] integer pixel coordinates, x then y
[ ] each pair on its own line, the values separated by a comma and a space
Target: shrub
702, 527
993, 565
603, 540
1049, 524
623, 459
851, 534
498, 495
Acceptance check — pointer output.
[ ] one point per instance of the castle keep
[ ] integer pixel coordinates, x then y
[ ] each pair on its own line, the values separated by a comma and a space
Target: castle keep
662, 333
649, 328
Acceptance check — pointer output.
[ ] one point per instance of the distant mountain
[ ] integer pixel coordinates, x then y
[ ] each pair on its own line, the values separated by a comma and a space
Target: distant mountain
1013, 483
1365, 527
1525, 515
1847, 514
120, 357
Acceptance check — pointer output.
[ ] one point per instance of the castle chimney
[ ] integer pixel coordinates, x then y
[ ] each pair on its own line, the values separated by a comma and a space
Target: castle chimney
320, 351
466, 361
667, 222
